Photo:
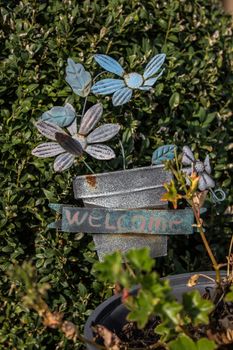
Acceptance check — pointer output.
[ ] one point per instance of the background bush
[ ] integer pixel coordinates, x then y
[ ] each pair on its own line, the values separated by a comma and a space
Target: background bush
191, 104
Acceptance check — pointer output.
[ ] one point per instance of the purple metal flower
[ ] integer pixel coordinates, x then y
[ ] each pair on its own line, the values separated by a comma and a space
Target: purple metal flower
203, 169
66, 147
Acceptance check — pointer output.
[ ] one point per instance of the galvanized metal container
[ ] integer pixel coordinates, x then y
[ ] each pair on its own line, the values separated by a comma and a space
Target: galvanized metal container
127, 189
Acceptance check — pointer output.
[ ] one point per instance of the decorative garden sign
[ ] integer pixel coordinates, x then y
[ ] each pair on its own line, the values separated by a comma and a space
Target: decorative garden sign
120, 221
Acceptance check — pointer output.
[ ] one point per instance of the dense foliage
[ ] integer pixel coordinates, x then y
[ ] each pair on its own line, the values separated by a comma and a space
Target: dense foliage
191, 103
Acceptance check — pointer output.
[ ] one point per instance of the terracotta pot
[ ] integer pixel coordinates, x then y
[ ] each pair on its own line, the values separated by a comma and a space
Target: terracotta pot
127, 189
112, 313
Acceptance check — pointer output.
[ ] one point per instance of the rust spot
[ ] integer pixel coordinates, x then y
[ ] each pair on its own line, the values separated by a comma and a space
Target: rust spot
91, 180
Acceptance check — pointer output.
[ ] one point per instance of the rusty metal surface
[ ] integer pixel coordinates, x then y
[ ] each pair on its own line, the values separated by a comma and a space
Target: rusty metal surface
127, 189
134, 188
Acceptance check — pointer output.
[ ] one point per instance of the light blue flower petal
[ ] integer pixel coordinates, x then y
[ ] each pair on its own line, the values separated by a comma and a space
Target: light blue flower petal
122, 96
61, 116
109, 64
154, 65
107, 86
63, 162
145, 88
78, 78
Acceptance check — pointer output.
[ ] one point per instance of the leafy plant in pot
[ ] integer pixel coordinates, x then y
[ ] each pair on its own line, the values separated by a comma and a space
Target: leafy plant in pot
154, 314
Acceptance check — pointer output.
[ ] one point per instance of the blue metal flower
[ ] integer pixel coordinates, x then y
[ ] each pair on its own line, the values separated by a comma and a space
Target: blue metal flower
66, 147
203, 169
122, 89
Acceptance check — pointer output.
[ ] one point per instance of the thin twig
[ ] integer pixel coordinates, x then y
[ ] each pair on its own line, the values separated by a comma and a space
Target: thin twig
206, 244
229, 253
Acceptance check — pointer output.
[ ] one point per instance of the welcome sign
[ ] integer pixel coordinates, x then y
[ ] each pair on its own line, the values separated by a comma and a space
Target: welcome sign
122, 221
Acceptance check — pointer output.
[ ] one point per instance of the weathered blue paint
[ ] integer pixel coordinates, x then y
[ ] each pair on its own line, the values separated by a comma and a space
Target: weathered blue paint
163, 153
118, 221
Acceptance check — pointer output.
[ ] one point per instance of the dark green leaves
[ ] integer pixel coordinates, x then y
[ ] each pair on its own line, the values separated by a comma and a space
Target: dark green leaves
183, 342
197, 308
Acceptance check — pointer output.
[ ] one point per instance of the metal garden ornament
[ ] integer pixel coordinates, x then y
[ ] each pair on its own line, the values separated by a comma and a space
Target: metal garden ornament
66, 147
203, 170
124, 202
122, 89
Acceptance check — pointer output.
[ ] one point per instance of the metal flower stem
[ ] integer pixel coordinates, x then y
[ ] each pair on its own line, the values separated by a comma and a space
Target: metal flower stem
206, 244
85, 102
88, 167
123, 154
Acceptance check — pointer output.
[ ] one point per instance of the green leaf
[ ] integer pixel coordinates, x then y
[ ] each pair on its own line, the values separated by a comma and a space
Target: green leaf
183, 342
141, 309
140, 259
206, 344
174, 100
197, 308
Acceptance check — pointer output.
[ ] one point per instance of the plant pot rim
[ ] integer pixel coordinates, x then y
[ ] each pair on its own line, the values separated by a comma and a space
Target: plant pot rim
109, 173
103, 310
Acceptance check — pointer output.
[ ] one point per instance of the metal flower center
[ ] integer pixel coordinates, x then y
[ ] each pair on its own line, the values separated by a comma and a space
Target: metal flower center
133, 80
81, 139
199, 167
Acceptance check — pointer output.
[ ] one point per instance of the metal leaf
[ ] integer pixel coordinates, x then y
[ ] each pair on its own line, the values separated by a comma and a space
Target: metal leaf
69, 144
205, 182
61, 116
154, 65
48, 129
109, 64
90, 119
122, 96
48, 149
107, 86
163, 153
103, 133
207, 164
101, 152
78, 78
187, 157
63, 162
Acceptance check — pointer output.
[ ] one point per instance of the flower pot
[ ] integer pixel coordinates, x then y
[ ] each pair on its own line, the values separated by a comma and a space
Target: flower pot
127, 189
112, 313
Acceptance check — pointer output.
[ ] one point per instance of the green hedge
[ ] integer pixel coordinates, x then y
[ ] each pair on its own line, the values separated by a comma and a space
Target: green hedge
191, 104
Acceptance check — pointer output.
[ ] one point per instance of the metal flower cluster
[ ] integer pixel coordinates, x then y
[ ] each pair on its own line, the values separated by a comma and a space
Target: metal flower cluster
202, 169
66, 147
